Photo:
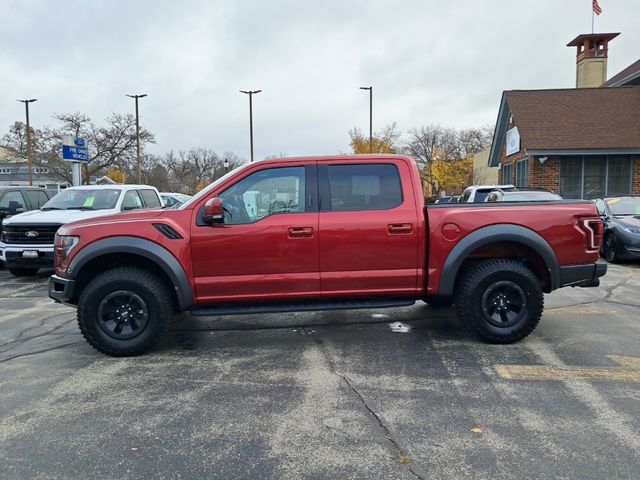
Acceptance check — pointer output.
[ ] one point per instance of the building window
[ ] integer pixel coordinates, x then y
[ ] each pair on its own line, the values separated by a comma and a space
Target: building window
522, 173
595, 176
507, 173
5, 171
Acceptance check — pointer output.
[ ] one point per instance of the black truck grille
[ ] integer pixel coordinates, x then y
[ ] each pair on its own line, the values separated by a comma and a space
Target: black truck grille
29, 234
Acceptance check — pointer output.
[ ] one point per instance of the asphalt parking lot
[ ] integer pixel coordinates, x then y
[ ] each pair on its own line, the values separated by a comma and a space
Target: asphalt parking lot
326, 395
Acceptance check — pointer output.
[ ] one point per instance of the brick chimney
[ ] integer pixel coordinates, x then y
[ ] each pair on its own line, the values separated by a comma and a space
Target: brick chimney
591, 58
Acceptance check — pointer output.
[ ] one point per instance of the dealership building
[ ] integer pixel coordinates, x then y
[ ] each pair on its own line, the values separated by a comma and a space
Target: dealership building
582, 142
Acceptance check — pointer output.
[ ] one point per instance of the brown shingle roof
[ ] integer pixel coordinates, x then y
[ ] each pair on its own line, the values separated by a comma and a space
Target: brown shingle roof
583, 118
630, 73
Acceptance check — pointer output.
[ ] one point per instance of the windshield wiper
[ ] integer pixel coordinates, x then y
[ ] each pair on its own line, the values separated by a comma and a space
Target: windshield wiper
51, 208
80, 208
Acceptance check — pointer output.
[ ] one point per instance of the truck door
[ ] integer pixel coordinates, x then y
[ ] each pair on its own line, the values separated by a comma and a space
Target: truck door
267, 248
368, 229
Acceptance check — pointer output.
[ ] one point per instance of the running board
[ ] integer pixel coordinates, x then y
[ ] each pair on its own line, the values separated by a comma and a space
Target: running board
249, 309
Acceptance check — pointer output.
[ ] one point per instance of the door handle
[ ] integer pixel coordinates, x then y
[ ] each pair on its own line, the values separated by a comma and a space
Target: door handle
400, 229
300, 232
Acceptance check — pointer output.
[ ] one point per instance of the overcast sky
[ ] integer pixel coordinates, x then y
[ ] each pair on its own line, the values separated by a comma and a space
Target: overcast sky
429, 61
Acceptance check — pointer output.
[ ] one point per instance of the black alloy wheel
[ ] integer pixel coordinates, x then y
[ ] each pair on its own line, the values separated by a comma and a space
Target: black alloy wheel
123, 314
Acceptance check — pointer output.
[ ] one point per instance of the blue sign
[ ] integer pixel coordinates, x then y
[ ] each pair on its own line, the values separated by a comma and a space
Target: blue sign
80, 142
77, 154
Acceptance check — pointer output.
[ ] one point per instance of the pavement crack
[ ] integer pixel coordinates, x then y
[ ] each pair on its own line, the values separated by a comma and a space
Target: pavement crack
21, 339
401, 454
609, 290
37, 352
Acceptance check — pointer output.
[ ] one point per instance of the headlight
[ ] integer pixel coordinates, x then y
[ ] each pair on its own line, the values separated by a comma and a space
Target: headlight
635, 230
63, 246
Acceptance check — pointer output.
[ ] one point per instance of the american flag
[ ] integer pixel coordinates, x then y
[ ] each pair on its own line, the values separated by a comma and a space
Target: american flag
596, 8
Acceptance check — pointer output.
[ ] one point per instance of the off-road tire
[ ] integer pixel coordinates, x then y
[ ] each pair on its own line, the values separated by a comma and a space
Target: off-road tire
495, 285
610, 248
147, 291
23, 271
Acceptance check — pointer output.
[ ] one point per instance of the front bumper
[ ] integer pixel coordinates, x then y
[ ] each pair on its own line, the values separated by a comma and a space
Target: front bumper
582, 275
61, 289
13, 256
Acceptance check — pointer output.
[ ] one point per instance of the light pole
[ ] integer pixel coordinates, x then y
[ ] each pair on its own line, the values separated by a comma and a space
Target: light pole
26, 108
136, 97
250, 93
370, 117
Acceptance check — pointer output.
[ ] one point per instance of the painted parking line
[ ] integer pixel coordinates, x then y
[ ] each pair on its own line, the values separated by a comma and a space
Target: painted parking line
628, 371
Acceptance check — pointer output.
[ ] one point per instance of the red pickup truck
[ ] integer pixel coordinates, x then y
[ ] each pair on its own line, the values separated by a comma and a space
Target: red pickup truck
321, 233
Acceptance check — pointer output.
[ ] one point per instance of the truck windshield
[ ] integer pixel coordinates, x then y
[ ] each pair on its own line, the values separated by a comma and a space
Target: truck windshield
84, 199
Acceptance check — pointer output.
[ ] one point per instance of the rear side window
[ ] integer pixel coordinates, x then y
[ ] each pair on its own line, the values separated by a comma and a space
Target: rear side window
150, 198
364, 187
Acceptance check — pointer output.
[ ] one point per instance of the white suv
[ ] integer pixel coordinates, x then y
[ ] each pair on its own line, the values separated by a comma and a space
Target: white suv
26, 242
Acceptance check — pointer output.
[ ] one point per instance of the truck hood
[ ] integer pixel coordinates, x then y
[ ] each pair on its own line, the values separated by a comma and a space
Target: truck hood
121, 217
55, 216
629, 221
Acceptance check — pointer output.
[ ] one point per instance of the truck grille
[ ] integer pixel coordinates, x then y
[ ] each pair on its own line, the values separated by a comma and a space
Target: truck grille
29, 234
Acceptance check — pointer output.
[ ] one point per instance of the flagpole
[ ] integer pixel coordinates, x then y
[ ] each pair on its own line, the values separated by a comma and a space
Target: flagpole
593, 14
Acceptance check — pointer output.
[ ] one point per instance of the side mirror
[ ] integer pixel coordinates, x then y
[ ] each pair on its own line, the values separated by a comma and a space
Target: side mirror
213, 211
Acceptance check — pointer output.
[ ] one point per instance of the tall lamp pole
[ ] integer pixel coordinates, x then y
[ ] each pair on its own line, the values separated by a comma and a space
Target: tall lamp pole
250, 93
370, 117
136, 97
26, 108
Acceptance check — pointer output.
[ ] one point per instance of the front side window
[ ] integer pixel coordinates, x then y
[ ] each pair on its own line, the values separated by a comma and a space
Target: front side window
264, 193
131, 200
364, 187
12, 200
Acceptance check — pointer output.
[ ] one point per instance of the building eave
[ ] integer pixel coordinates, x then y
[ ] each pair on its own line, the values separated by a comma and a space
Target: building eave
581, 151
500, 131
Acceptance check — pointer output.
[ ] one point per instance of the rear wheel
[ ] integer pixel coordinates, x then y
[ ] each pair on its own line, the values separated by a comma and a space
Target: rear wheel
23, 272
500, 301
125, 311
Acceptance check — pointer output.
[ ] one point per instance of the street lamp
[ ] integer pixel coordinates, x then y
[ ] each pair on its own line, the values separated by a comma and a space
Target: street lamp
225, 164
26, 107
250, 93
136, 97
370, 117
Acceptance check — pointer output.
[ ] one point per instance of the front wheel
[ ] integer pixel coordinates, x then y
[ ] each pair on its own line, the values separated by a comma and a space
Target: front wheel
125, 311
500, 301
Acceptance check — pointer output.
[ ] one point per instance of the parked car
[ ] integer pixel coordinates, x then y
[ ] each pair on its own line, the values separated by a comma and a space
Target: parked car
522, 194
172, 199
268, 237
621, 217
26, 241
477, 193
17, 199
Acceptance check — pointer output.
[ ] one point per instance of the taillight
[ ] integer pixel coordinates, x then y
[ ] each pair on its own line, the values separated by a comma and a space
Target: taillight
594, 228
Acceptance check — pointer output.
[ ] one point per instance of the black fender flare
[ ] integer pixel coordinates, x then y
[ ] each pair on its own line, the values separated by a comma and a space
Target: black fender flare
145, 248
493, 234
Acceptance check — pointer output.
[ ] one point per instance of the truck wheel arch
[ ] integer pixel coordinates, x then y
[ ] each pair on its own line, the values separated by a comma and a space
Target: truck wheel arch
497, 234
152, 252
